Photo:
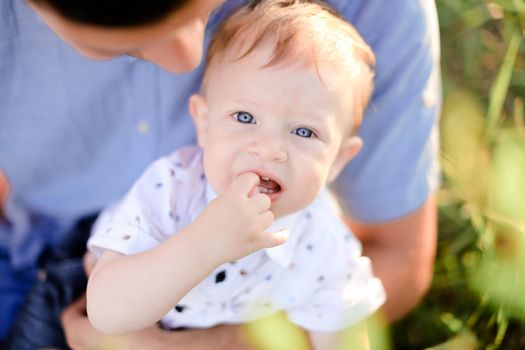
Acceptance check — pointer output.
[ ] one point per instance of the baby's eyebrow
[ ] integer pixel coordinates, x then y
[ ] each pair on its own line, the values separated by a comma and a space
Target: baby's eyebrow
246, 100
317, 116
320, 116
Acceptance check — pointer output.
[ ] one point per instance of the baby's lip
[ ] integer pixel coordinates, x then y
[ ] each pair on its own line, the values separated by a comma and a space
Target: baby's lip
263, 174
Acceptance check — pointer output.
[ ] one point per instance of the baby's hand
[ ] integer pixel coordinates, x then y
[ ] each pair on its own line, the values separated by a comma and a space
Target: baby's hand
234, 223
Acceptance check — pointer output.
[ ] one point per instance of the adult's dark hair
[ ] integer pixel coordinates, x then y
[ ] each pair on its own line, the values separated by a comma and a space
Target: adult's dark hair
114, 13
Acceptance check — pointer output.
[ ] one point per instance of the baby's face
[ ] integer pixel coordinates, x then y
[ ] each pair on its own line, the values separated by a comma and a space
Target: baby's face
281, 122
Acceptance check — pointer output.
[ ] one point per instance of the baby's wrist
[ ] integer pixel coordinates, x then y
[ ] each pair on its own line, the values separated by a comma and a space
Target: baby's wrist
200, 243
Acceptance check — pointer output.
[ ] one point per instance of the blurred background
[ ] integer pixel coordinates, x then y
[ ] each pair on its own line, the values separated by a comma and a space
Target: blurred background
477, 299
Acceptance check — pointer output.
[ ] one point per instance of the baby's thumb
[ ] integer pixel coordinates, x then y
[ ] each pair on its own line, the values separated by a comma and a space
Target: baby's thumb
277, 238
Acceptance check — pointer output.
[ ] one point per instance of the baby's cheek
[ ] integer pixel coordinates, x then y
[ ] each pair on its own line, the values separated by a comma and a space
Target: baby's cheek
304, 195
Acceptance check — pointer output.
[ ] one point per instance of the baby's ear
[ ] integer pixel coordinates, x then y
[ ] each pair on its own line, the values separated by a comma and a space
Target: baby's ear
199, 111
348, 150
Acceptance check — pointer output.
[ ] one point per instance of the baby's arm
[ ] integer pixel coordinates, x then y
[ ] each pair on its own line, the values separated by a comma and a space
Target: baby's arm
130, 292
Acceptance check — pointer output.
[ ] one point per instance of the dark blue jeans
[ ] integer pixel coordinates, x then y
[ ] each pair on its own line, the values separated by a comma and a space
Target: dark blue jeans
61, 280
14, 285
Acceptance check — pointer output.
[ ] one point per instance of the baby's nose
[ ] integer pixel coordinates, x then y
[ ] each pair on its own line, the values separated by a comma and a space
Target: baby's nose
268, 148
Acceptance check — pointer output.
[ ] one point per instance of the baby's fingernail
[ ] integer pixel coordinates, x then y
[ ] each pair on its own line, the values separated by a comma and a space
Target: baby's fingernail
284, 233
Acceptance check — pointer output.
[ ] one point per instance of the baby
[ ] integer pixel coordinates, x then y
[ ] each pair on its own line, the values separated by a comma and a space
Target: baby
242, 226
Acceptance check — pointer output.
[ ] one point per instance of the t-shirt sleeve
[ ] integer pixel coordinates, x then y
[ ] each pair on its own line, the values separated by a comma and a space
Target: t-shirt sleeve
397, 168
143, 218
344, 292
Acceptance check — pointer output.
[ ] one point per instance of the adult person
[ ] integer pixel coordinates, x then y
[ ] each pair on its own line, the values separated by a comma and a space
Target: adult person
69, 121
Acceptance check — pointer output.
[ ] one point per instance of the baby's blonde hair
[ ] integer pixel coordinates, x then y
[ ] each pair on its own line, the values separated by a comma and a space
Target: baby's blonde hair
306, 31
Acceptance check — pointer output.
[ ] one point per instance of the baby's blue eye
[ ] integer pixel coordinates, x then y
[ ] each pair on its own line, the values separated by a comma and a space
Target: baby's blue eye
244, 117
303, 132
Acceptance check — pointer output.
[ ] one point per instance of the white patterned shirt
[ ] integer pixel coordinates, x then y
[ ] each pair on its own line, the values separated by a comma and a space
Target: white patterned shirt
318, 277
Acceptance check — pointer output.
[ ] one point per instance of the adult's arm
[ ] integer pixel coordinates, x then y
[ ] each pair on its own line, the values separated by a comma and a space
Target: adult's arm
402, 253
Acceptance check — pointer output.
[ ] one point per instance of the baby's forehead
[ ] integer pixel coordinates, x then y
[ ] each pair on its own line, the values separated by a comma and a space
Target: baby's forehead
332, 69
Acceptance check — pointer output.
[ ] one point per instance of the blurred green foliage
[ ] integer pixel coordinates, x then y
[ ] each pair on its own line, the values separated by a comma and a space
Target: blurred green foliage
276, 332
477, 299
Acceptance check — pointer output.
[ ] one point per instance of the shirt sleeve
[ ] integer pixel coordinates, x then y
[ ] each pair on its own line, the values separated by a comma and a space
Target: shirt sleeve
143, 219
344, 290
397, 168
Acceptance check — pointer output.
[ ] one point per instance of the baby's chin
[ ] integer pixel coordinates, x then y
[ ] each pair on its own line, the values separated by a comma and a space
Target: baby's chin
282, 208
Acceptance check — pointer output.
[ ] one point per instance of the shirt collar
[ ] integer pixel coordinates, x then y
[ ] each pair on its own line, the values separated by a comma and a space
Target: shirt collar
210, 193
281, 254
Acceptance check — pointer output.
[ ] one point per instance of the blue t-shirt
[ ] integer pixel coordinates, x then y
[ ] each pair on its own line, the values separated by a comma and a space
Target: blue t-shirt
76, 133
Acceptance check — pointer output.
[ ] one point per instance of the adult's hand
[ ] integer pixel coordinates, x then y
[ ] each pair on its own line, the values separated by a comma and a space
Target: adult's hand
4, 189
402, 253
81, 336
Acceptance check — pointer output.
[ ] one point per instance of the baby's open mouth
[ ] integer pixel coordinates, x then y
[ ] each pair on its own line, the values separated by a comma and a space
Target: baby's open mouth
267, 185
